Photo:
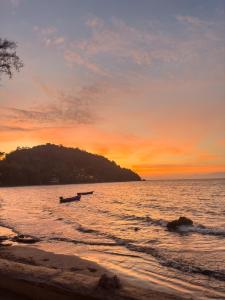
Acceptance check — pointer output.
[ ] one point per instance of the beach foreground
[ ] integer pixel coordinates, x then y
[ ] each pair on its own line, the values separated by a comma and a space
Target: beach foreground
36, 274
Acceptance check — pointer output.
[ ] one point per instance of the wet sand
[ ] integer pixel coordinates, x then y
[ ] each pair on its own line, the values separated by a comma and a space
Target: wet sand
37, 274
7, 295
27, 272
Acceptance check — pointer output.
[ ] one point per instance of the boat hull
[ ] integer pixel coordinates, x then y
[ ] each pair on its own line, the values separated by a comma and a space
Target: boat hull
85, 193
72, 199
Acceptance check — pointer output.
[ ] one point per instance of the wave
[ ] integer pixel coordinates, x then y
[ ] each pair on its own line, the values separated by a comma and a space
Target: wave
187, 268
198, 228
86, 230
161, 256
177, 264
119, 241
146, 219
92, 243
203, 230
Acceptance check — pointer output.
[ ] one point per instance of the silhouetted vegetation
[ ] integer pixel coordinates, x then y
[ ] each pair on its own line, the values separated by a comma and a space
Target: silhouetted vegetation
9, 60
52, 164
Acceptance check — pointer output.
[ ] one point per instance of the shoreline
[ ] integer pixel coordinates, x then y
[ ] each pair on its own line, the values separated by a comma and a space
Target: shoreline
29, 272
76, 183
141, 180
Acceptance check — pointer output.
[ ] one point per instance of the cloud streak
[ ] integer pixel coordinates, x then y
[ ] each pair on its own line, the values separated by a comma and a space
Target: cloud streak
11, 128
196, 22
49, 36
66, 110
73, 58
129, 47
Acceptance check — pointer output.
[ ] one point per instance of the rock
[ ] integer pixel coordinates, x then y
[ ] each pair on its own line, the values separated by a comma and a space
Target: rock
148, 219
109, 283
92, 270
136, 228
182, 221
25, 239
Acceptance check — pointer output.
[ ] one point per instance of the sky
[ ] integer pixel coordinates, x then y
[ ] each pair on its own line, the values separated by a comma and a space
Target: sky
140, 82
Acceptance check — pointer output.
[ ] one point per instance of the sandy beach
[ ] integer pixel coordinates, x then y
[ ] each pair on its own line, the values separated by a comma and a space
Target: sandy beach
30, 273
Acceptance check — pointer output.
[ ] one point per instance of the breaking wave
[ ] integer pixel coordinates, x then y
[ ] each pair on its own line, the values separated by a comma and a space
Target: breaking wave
198, 228
203, 230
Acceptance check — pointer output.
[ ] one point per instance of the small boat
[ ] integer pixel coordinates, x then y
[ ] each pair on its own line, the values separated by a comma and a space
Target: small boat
64, 200
85, 193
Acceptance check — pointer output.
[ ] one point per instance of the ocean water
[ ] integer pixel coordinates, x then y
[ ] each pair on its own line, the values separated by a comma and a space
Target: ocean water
122, 226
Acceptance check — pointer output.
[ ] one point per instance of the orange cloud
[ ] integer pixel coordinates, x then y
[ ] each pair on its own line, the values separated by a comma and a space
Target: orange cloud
143, 156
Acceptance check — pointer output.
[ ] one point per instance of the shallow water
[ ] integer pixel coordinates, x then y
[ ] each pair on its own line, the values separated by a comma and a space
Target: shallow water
123, 226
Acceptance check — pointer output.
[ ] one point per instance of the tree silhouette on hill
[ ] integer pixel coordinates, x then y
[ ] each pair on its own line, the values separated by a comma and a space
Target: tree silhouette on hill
53, 164
9, 60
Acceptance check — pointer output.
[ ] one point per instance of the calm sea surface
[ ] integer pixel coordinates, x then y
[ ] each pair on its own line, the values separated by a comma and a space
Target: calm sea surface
123, 227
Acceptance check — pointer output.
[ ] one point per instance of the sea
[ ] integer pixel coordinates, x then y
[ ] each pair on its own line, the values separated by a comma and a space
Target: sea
123, 227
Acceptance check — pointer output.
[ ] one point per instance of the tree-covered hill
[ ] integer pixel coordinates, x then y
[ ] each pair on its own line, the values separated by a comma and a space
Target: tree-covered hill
52, 164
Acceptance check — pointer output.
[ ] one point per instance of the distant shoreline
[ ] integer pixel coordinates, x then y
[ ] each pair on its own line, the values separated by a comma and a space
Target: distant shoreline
182, 179
76, 183
103, 182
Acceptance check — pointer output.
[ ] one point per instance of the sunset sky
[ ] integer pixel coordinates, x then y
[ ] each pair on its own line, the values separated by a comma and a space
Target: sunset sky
141, 82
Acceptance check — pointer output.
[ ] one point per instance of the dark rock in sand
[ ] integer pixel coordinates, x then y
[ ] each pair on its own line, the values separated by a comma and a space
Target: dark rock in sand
136, 228
182, 221
25, 239
109, 283
92, 270
148, 219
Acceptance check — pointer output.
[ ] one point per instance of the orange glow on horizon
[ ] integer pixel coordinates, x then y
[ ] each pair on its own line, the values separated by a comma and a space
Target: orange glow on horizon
144, 94
161, 170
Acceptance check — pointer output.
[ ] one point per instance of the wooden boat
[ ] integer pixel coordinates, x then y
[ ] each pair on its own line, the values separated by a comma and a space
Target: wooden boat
85, 193
64, 200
